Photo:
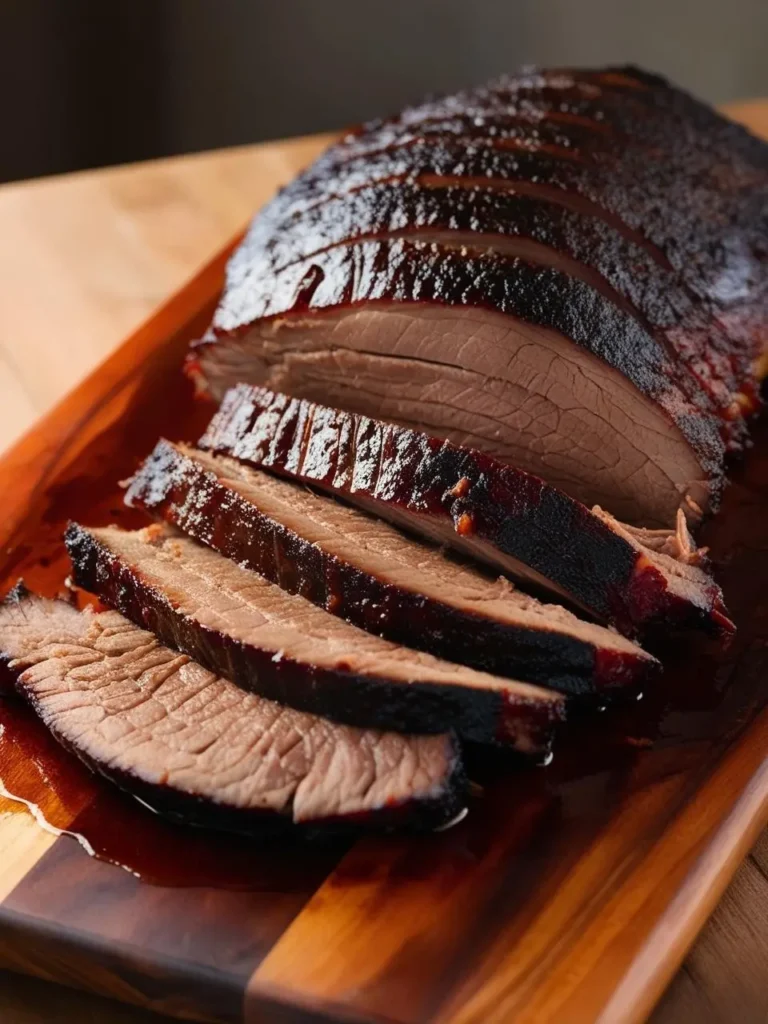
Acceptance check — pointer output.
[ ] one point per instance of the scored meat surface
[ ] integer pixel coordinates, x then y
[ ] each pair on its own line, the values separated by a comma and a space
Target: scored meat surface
194, 746
484, 508
566, 270
280, 645
366, 571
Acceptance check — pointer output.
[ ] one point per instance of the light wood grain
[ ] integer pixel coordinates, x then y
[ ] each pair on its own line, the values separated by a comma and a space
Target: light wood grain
83, 260
22, 843
86, 258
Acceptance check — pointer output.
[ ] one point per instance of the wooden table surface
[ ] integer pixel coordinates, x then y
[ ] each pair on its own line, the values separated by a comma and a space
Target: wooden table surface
83, 260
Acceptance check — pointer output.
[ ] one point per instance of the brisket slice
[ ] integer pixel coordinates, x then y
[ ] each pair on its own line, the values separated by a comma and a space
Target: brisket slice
362, 569
543, 232
195, 747
692, 183
507, 518
736, 300
479, 332
280, 645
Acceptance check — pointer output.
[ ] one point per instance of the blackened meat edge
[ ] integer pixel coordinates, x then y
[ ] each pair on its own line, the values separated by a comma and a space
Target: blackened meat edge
473, 502
505, 221
176, 486
490, 715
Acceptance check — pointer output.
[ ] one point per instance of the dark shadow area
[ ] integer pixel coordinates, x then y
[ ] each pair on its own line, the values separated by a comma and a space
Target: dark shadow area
86, 83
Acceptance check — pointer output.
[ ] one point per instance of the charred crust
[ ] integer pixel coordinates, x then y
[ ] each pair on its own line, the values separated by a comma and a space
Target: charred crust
409, 272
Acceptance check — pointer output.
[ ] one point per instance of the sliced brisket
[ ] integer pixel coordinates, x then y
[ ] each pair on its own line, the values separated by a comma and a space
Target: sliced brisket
691, 181
362, 569
282, 646
507, 518
197, 748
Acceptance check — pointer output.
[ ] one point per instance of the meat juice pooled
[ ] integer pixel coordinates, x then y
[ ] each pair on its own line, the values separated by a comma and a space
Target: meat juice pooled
63, 795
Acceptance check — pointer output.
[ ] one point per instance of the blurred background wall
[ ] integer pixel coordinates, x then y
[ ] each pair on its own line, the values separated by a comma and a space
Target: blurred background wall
90, 82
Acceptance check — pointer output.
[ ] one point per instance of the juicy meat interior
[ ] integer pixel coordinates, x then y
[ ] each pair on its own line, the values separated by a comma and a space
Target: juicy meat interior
195, 746
517, 391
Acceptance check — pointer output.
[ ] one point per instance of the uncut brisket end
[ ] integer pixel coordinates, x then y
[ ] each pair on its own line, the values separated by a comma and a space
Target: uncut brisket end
196, 748
692, 181
369, 573
688, 181
731, 290
507, 518
669, 166
281, 646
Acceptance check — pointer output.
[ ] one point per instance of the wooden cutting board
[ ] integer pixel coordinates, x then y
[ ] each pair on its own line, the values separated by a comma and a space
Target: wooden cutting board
568, 894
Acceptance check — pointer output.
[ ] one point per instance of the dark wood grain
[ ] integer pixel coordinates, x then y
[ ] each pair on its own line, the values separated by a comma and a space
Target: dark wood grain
569, 893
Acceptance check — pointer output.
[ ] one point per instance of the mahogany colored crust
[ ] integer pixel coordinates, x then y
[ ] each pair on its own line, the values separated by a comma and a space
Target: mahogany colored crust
512, 511
413, 272
669, 139
587, 187
177, 489
417, 813
481, 715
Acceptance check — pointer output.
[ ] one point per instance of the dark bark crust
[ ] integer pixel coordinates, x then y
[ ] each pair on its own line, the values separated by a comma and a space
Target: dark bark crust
174, 487
482, 715
506, 509
692, 183
662, 198
659, 143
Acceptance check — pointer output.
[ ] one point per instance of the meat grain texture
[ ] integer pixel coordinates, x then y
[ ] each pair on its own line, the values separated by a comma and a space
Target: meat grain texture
487, 509
194, 746
282, 646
